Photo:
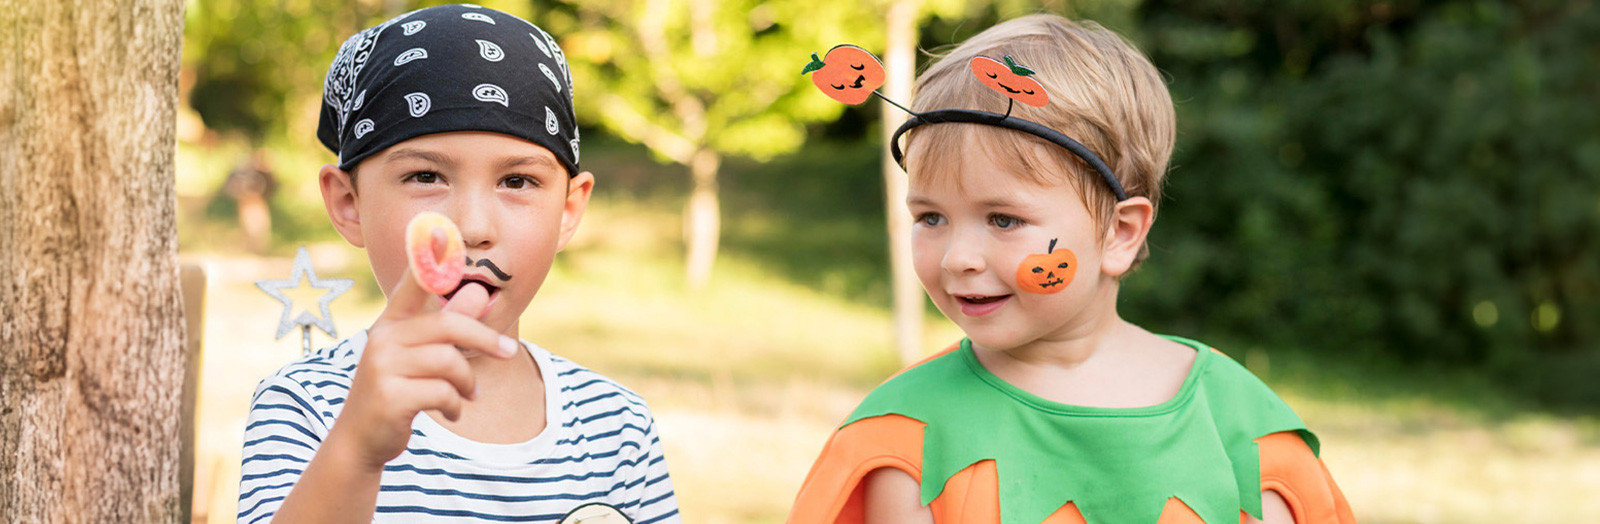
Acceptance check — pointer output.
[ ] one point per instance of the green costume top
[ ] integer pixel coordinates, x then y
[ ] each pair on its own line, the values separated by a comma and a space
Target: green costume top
1116, 464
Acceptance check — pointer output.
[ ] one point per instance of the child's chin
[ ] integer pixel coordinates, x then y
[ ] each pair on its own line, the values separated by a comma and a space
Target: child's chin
503, 314
994, 339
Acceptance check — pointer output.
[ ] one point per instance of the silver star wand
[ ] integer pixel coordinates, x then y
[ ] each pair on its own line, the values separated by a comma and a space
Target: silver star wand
333, 287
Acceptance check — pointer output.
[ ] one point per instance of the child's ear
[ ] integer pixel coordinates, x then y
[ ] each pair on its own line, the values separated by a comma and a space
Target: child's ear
578, 190
1125, 234
339, 197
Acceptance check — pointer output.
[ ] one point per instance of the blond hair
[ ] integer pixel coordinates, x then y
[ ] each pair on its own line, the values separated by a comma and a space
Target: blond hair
1104, 93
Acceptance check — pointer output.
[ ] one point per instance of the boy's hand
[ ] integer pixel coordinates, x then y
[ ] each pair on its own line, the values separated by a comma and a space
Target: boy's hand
412, 364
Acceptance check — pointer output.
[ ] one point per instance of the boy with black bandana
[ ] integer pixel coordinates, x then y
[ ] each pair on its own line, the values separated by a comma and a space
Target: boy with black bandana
437, 413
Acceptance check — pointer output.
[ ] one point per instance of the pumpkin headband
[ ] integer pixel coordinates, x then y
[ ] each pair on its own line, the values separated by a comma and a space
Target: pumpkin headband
850, 74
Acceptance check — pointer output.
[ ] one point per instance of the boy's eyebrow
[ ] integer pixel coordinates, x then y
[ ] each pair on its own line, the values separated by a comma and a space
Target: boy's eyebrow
443, 159
430, 156
538, 161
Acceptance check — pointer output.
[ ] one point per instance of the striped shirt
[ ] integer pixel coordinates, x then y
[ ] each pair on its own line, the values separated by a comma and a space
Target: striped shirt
599, 446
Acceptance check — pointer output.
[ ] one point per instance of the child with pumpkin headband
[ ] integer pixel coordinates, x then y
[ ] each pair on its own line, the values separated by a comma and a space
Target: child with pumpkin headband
1053, 408
457, 119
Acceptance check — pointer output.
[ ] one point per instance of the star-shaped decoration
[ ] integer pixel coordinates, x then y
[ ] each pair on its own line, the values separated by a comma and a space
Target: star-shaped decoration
303, 272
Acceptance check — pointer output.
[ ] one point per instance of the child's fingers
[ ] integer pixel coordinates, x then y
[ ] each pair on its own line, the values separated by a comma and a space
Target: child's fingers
438, 361
472, 300
434, 394
444, 327
406, 300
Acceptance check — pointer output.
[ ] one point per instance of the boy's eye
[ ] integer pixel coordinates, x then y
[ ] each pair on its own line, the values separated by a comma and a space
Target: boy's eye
519, 182
930, 219
423, 177
1004, 221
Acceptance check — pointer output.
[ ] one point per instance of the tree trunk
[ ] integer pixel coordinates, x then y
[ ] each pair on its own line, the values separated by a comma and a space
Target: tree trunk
900, 64
91, 318
702, 223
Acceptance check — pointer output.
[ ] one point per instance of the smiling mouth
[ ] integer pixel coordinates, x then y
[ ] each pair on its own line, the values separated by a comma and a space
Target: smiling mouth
980, 299
1050, 284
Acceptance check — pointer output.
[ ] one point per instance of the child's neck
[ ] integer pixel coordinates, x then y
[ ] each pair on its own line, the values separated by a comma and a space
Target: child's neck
1096, 327
510, 404
1104, 361
1075, 347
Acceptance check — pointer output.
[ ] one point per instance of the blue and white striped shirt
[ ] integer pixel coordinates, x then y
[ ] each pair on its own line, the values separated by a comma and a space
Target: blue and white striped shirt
599, 445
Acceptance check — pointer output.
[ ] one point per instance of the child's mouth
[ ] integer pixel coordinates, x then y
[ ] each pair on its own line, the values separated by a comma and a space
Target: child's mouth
470, 280
980, 305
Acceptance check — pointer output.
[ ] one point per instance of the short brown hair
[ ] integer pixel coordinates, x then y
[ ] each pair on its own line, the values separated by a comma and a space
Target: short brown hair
1104, 93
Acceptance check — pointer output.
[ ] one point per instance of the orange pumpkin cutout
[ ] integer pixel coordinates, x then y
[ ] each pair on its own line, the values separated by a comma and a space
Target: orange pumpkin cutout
848, 74
1010, 79
1049, 272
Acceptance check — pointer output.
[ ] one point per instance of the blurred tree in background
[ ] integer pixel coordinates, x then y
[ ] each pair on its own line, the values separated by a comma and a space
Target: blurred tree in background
1414, 178
254, 74
258, 64
696, 80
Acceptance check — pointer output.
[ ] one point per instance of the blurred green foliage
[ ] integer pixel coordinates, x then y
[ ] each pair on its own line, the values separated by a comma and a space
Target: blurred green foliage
259, 65
1416, 178
679, 76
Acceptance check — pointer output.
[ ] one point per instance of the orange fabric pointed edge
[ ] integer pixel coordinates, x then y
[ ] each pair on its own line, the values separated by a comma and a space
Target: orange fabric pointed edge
1290, 468
833, 492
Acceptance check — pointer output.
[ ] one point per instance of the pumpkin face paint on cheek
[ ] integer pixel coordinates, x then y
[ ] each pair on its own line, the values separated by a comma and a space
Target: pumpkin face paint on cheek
1047, 273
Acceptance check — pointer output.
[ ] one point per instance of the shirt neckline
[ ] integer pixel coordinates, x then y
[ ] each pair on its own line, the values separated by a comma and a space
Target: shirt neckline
512, 455
1178, 400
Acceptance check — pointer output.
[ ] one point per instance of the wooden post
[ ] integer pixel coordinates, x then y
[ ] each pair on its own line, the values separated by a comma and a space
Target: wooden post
91, 321
192, 280
900, 62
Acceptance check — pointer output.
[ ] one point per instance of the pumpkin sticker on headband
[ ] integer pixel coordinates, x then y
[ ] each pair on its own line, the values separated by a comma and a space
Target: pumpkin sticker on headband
1049, 272
848, 74
1010, 79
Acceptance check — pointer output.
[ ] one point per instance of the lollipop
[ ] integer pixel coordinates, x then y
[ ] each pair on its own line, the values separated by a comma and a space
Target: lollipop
437, 254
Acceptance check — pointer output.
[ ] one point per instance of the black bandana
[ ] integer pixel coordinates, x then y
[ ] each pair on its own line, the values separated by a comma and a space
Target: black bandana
443, 69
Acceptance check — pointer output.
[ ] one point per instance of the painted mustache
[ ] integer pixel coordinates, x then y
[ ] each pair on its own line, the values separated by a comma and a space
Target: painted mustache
486, 264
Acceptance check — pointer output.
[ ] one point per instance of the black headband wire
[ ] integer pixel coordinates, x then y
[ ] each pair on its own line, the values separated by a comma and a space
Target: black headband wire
973, 116
851, 74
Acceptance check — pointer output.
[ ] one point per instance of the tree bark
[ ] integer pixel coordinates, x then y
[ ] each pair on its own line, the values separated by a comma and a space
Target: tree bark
91, 319
900, 65
703, 223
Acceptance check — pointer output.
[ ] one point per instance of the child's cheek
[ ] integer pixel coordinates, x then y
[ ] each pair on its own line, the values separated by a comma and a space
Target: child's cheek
1049, 272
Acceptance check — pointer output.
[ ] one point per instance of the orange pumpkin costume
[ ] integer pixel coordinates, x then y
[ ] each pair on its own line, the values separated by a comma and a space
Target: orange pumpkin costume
1053, 473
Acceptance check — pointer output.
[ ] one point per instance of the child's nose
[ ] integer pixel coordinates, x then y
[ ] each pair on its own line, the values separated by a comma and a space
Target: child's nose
475, 216
963, 254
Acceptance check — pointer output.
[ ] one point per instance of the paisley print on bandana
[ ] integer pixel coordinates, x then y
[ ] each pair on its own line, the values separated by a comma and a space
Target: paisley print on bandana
448, 68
